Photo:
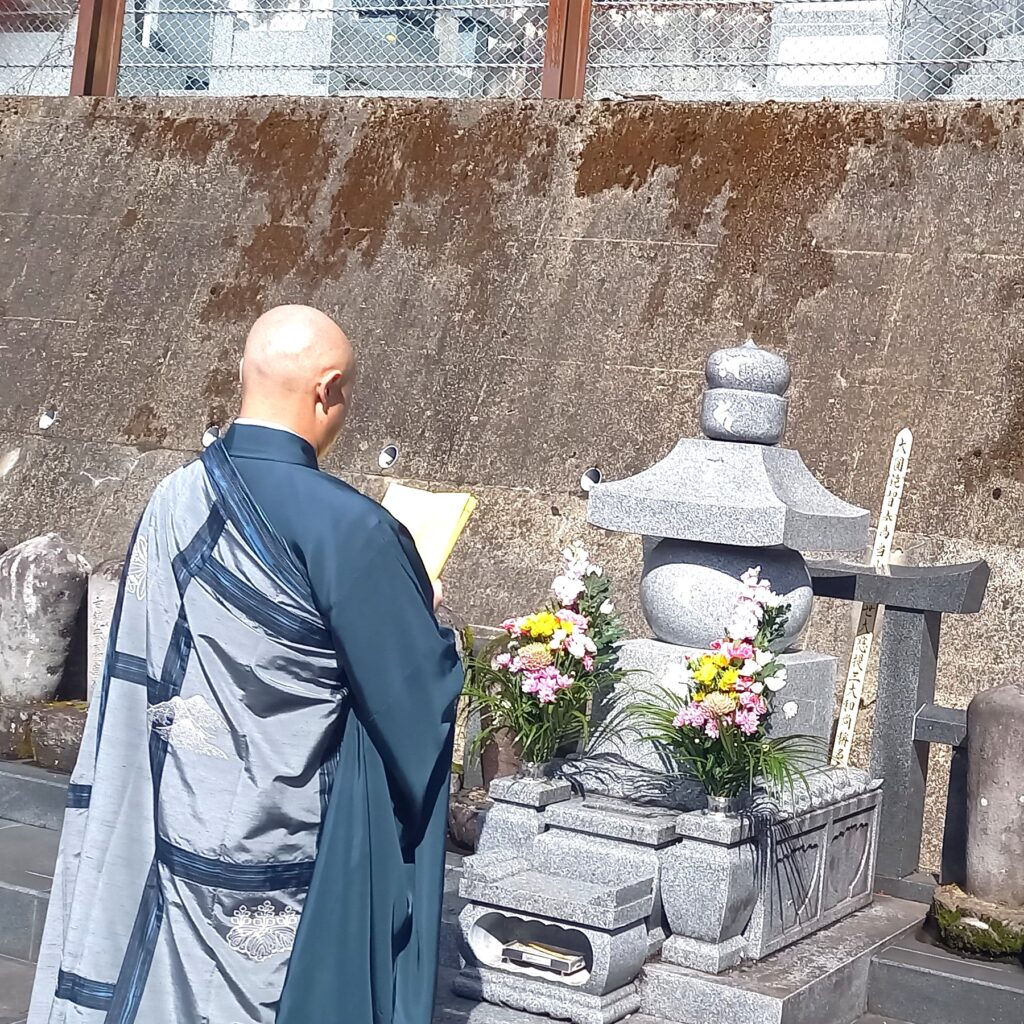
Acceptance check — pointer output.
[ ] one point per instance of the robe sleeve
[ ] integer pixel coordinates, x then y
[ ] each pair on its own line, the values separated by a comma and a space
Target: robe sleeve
366, 951
402, 667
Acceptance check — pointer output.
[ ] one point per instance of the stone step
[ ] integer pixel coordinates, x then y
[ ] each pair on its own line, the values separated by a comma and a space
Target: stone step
873, 1018
15, 989
31, 795
822, 979
27, 856
922, 983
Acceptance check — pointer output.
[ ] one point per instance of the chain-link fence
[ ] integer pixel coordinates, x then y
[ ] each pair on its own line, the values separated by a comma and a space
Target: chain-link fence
37, 44
807, 49
677, 49
328, 48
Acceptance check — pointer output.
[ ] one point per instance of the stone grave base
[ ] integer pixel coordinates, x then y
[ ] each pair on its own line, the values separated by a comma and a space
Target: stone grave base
549, 999
822, 979
918, 981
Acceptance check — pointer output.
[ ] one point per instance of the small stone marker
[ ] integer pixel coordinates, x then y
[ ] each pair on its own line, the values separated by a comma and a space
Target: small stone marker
42, 584
988, 919
103, 584
995, 795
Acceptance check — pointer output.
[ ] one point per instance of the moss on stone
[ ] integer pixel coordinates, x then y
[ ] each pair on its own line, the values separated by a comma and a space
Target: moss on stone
975, 927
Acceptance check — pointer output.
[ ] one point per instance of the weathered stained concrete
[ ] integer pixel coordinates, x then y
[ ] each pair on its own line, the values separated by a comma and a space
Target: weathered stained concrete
533, 289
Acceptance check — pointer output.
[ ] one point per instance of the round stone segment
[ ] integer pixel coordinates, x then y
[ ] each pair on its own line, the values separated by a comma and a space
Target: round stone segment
688, 591
748, 368
729, 414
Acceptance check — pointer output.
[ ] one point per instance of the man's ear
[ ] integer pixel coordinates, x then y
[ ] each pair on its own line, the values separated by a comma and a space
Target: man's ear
331, 391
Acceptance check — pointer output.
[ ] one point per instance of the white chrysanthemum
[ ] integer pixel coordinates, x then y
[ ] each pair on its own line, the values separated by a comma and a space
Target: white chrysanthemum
566, 589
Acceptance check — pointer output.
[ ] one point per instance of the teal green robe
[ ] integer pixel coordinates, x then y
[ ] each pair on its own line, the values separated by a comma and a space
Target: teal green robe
367, 944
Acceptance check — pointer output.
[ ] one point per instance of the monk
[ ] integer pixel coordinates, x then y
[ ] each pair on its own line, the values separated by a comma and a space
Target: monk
255, 826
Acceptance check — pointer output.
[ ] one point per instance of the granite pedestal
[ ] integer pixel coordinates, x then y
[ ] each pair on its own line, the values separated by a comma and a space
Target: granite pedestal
740, 888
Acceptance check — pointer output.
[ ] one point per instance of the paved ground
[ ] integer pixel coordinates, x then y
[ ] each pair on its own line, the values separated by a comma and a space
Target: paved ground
15, 987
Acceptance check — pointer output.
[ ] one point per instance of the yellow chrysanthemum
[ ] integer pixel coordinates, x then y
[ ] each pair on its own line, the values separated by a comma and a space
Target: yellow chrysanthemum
728, 678
541, 625
706, 670
721, 660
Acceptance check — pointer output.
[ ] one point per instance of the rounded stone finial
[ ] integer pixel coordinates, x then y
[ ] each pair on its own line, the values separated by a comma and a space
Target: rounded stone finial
748, 368
745, 398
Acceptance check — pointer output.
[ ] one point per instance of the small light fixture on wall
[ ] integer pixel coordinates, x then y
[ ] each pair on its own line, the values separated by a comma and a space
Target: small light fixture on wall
210, 434
590, 478
388, 456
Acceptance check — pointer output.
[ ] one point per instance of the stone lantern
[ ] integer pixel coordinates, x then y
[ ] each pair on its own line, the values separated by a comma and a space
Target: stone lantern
714, 507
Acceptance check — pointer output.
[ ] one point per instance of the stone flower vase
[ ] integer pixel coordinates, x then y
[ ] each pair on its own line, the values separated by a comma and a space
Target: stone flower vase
709, 887
500, 757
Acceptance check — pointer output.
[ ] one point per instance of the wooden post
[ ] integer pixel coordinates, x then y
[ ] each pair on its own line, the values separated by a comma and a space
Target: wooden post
97, 48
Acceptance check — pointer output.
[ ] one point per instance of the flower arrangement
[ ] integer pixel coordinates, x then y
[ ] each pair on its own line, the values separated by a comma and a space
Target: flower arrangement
713, 718
537, 682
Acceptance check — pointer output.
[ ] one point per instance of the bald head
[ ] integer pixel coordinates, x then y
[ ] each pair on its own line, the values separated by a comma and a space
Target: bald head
297, 372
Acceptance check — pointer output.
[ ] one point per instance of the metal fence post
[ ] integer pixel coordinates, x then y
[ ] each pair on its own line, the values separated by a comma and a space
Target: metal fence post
577, 48
97, 48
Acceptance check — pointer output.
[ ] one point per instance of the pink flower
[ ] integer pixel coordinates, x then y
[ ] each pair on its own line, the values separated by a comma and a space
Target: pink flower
743, 684
753, 702
581, 622
711, 728
747, 721
692, 715
717, 645
500, 661
545, 683
742, 650
510, 626
588, 662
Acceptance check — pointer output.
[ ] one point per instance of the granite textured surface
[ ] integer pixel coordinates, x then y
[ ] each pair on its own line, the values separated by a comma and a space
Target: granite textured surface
959, 589
42, 584
749, 368
822, 980
729, 414
510, 828
748, 494
688, 589
545, 998
757, 882
995, 795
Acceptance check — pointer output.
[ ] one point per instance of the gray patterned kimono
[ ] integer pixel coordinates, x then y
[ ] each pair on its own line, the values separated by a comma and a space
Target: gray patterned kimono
195, 808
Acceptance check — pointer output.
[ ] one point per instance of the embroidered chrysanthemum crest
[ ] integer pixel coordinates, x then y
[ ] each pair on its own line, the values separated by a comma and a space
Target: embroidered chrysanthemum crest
188, 723
263, 932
